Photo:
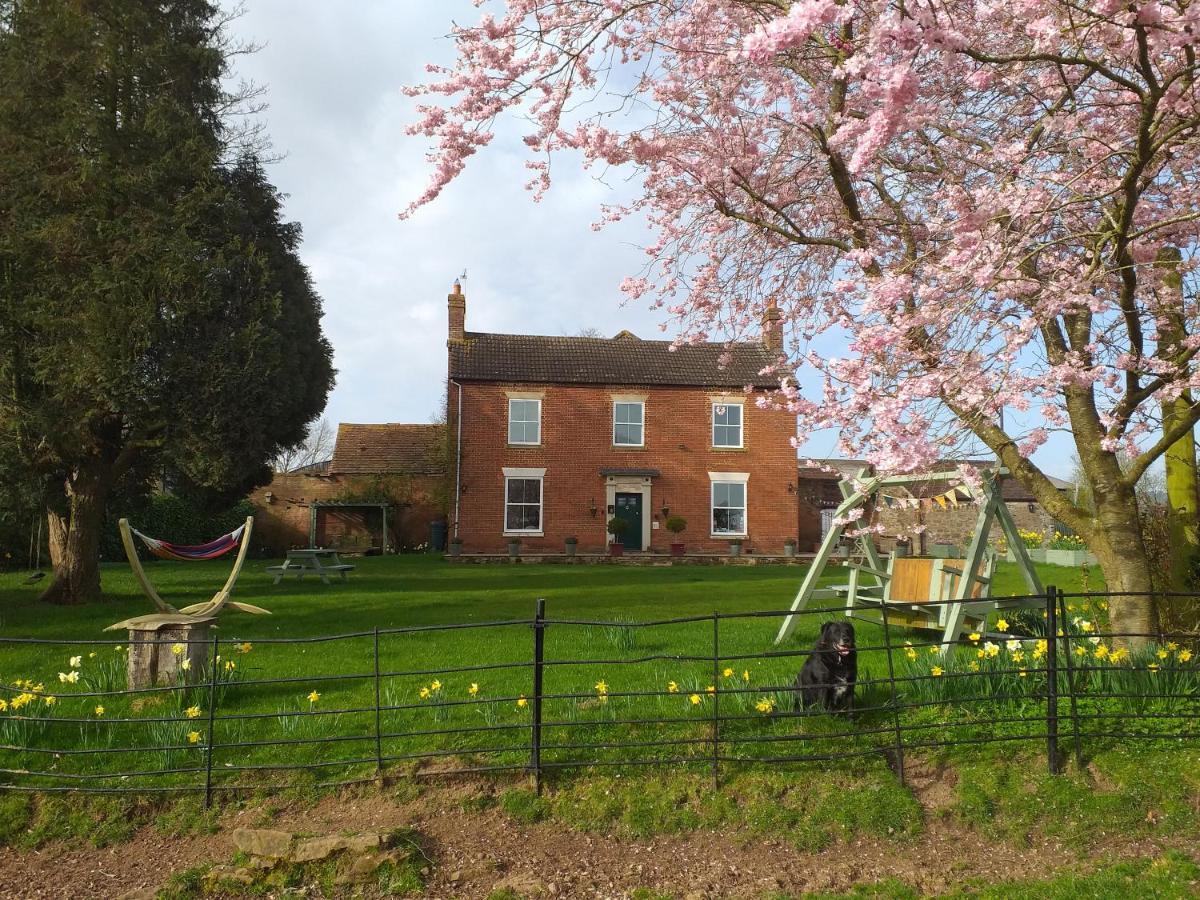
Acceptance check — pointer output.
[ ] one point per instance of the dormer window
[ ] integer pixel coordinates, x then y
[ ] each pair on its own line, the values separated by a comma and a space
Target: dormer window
524, 422
727, 424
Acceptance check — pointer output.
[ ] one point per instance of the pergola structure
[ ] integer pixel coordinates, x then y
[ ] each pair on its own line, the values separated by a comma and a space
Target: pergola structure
316, 505
965, 583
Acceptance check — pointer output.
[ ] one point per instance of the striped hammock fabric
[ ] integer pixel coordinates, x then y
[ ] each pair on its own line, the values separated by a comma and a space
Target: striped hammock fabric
192, 552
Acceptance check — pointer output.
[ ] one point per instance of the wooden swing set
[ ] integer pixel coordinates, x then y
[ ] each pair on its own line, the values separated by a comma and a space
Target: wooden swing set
947, 595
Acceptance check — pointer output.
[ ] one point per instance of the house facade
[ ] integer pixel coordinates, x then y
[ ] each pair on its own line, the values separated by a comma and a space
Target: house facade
550, 437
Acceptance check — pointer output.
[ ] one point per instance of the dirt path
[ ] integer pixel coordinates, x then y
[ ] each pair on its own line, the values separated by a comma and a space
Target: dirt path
476, 853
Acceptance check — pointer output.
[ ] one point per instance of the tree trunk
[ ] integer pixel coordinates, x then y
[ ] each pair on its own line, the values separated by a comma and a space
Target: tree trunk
1117, 542
75, 542
1183, 497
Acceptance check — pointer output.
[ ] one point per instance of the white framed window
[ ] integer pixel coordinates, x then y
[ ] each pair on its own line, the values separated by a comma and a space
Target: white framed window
629, 423
729, 508
523, 504
726, 424
524, 421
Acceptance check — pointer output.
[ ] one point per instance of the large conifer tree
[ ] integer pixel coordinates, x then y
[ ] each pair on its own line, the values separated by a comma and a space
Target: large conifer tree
154, 315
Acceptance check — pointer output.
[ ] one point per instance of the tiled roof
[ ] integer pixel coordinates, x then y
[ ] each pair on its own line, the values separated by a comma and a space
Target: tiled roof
624, 359
389, 449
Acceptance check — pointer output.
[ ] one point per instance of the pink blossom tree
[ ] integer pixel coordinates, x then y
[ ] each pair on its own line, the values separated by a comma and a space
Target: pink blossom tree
993, 203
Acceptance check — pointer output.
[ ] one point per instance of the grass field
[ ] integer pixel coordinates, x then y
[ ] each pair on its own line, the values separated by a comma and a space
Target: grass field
323, 689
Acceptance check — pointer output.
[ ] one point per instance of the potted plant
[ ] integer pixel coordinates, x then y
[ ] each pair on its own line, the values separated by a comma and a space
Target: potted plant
571, 544
514, 547
735, 547
616, 527
456, 546
789, 547
902, 548
676, 525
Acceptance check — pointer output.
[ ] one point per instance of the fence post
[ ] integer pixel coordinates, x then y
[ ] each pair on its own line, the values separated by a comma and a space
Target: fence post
1052, 679
887, 644
539, 646
1067, 652
716, 724
212, 717
378, 728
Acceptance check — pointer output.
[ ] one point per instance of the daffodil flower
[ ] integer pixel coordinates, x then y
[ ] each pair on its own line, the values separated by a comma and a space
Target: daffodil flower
695, 699
746, 675
178, 649
313, 697
974, 637
728, 673
522, 702
436, 686
765, 706
99, 710
423, 693
192, 712
1002, 625
937, 671
185, 665
75, 662
194, 737
1185, 655
473, 689
672, 687
245, 647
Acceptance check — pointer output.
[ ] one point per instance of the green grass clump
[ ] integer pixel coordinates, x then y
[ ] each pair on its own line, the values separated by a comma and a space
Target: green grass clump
16, 814
1138, 793
523, 805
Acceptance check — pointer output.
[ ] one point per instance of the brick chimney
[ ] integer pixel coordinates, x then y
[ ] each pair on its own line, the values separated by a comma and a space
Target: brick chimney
772, 327
456, 304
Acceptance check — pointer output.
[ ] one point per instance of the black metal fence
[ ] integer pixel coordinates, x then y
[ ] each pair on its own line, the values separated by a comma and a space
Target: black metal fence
683, 696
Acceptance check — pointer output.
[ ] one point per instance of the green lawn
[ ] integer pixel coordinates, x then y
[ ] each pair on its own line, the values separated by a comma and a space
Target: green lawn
280, 724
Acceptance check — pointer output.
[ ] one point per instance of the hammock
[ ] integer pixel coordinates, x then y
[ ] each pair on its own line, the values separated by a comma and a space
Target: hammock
192, 552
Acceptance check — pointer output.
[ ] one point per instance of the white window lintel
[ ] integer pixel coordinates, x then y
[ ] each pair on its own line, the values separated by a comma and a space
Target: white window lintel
523, 473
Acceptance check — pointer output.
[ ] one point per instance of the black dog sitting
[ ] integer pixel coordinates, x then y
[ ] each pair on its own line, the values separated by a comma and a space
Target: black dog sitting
828, 676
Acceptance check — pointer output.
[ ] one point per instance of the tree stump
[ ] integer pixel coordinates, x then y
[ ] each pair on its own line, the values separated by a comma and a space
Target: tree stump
153, 659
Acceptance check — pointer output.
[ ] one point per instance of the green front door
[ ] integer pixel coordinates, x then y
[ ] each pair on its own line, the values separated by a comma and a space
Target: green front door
629, 508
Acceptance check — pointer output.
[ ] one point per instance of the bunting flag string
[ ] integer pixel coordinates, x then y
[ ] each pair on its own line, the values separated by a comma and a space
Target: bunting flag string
948, 498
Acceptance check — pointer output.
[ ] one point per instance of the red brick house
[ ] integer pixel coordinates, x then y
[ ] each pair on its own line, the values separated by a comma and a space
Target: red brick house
549, 437
340, 504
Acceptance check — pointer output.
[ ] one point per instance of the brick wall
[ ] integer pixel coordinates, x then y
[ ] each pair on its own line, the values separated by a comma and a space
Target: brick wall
577, 443
283, 523
955, 526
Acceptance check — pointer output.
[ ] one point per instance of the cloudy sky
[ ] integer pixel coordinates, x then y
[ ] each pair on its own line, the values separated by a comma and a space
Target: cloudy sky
333, 73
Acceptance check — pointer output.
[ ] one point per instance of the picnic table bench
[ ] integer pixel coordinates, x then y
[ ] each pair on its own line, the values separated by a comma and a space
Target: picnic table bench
312, 561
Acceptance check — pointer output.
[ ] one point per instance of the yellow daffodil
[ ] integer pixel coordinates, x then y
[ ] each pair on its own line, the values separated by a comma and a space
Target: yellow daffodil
3, 704
473, 689
992, 650
1018, 656
672, 687
522, 702
1081, 651
746, 675
92, 655
1119, 655
1023, 673
935, 650
75, 662
981, 653
230, 665
245, 647
423, 693
695, 699
937, 671
1171, 645
435, 686
1153, 667
1002, 625
1185, 655
711, 689
118, 649
1163, 654
313, 697
974, 637
192, 712
910, 653
99, 710
1101, 651
49, 701
178, 649
194, 737
185, 664
1086, 627
728, 673
765, 705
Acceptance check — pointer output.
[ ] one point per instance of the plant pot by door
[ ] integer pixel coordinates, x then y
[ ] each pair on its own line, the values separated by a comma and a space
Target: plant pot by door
514, 549
789, 549
571, 546
735, 548
616, 549
456, 548
677, 549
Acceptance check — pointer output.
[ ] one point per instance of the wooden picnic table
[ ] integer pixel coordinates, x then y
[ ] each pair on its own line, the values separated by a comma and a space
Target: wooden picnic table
311, 561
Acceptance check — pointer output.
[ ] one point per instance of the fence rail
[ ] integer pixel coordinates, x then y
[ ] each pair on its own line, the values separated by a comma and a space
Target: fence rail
1049, 678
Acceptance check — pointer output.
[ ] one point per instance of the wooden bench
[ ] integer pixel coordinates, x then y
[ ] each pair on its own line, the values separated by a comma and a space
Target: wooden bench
319, 562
